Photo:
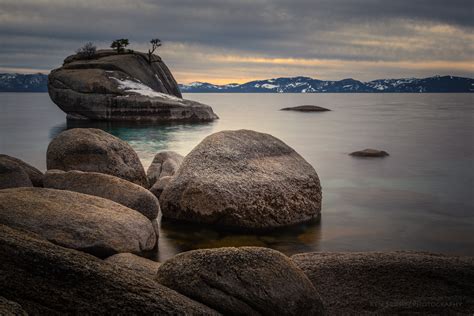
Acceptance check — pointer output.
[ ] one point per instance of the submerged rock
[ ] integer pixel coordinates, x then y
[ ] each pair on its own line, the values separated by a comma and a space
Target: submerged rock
34, 174
135, 263
90, 149
121, 87
242, 281
165, 163
78, 221
243, 179
12, 175
306, 108
46, 279
395, 283
109, 187
369, 153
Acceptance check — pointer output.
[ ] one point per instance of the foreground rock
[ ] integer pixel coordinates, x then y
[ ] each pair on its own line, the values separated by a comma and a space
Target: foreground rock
135, 263
34, 174
109, 187
243, 179
165, 163
306, 108
392, 283
242, 281
90, 149
121, 87
46, 279
13, 176
9, 308
160, 185
78, 221
369, 153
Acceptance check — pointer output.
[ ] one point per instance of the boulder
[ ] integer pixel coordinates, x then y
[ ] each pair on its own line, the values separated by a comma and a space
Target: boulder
243, 179
34, 174
160, 185
165, 163
306, 108
394, 283
109, 187
46, 279
9, 308
78, 221
12, 175
369, 153
90, 149
121, 87
242, 281
135, 263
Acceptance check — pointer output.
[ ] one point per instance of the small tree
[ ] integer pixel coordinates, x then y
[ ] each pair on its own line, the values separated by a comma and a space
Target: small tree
155, 43
86, 51
119, 44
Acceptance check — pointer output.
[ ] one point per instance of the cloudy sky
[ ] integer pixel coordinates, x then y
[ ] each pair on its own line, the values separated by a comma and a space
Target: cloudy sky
241, 40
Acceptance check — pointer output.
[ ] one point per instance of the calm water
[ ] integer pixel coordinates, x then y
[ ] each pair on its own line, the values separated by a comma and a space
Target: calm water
419, 198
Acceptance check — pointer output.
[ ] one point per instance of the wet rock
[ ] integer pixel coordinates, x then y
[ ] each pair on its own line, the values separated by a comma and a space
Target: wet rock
393, 283
243, 179
306, 108
242, 281
135, 263
369, 153
78, 221
34, 174
165, 163
90, 149
109, 187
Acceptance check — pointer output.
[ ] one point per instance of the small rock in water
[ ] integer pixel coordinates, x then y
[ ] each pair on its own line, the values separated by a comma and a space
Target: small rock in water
369, 153
34, 174
12, 175
165, 163
306, 108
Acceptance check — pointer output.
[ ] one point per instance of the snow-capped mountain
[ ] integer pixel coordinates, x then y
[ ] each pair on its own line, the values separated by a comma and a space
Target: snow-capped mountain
310, 85
23, 83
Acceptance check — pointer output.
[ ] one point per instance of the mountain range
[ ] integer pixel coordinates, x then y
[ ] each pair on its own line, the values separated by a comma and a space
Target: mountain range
38, 83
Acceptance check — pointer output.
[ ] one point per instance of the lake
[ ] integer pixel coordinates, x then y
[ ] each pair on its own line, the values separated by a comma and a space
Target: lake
418, 198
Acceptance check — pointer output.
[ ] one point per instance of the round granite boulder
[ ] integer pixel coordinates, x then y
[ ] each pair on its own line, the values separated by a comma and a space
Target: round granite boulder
242, 281
160, 185
165, 163
109, 187
78, 221
144, 266
91, 149
12, 175
243, 179
34, 174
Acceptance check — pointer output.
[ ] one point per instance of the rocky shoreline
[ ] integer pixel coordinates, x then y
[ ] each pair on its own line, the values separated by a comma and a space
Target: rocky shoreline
74, 239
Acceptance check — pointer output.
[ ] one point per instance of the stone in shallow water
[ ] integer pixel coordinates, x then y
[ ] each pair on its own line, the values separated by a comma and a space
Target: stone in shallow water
369, 152
306, 108
12, 175
243, 179
91, 149
165, 163
34, 174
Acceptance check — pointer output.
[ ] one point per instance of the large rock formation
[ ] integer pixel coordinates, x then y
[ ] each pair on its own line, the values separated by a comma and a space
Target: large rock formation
109, 187
242, 281
46, 279
117, 87
90, 149
34, 174
243, 179
78, 221
391, 283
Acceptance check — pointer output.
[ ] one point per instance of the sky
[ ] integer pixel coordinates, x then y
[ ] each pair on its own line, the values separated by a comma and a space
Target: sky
221, 41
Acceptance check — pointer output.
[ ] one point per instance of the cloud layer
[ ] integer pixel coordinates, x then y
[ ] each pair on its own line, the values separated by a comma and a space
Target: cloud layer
235, 41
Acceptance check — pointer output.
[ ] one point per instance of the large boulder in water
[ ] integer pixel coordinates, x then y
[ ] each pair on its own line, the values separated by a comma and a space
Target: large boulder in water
391, 283
242, 281
78, 221
243, 179
109, 187
46, 279
34, 174
90, 149
117, 87
165, 163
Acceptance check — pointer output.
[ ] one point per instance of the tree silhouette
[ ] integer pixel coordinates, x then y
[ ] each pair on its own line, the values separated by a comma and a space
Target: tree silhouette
155, 43
119, 44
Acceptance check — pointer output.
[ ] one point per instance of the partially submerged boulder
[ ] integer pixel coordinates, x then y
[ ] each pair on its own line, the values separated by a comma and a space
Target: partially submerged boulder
121, 87
46, 279
306, 108
243, 179
160, 185
395, 283
109, 187
242, 281
165, 163
34, 174
78, 221
369, 152
135, 263
12, 175
91, 149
